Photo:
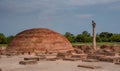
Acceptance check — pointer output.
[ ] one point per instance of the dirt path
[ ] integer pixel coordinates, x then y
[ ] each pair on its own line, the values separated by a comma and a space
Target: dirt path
12, 64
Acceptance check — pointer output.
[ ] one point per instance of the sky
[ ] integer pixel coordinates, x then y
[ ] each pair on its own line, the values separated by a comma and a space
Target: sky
62, 16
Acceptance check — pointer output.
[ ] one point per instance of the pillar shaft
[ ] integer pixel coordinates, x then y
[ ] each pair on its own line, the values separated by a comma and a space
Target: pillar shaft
94, 35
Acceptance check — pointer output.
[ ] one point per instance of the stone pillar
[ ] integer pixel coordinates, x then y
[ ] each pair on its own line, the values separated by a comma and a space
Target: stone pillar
94, 34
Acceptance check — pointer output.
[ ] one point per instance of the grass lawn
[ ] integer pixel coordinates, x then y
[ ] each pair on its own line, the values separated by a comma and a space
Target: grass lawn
3, 45
99, 43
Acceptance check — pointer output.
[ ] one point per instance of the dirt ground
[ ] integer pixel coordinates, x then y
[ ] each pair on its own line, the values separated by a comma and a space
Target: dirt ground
12, 64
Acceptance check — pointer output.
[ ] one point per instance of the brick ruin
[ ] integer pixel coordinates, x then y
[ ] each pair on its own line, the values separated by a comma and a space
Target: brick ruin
110, 48
2, 50
83, 49
105, 53
39, 40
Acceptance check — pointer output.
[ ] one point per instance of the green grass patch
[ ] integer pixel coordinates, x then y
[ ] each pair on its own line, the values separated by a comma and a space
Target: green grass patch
109, 43
5, 45
80, 43
99, 43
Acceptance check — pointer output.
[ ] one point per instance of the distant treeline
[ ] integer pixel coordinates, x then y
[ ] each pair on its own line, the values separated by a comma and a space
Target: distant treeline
5, 39
85, 36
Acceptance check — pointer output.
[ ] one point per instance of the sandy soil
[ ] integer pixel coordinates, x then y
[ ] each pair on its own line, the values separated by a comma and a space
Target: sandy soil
12, 64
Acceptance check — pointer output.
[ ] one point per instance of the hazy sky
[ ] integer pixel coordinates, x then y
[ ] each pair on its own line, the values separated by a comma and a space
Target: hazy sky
61, 16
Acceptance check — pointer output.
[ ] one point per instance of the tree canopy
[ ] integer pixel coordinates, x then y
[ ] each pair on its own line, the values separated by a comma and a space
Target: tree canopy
85, 36
5, 39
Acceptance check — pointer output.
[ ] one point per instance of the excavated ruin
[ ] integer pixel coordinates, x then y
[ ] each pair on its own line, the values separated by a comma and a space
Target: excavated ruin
39, 40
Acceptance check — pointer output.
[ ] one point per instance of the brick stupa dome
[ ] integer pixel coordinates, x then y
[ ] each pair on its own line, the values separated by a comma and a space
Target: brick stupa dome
39, 40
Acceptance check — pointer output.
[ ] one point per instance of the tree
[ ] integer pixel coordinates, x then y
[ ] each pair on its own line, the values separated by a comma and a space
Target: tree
105, 36
9, 38
84, 37
70, 36
98, 39
115, 38
2, 39
85, 33
80, 38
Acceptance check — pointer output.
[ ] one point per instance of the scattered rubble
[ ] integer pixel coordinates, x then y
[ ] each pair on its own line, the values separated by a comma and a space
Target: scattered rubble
89, 66
64, 55
52, 59
72, 59
32, 58
27, 62
90, 60
117, 63
0, 69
